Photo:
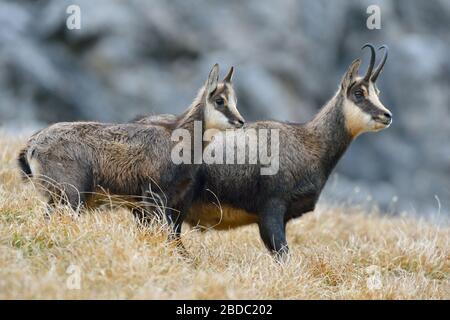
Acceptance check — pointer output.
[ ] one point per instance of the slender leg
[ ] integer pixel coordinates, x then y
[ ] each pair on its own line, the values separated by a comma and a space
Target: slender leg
68, 184
176, 218
272, 227
75, 198
173, 210
145, 212
65, 194
49, 208
142, 216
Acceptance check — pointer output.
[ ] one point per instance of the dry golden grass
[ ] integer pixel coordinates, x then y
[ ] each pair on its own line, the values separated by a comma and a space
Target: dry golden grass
337, 253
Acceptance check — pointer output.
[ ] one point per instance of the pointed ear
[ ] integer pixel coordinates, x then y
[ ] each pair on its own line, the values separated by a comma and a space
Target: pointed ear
213, 80
351, 74
229, 77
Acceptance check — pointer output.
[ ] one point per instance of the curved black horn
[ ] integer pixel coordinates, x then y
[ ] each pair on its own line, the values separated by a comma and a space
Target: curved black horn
372, 60
381, 65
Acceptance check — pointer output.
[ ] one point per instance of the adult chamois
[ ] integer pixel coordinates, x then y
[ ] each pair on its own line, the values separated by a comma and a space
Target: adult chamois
74, 161
307, 155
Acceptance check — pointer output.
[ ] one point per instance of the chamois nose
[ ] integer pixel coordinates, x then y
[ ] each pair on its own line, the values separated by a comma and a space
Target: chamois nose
239, 123
384, 118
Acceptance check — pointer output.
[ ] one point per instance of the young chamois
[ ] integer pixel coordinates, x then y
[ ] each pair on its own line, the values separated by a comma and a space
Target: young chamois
73, 161
307, 155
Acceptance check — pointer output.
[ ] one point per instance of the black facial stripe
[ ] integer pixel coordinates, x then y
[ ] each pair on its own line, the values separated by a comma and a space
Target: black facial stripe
227, 113
368, 107
223, 91
365, 104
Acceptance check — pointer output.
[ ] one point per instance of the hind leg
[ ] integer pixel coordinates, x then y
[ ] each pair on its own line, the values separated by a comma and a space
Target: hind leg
61, 194
75, 197
68, 185
49, 208
58, 196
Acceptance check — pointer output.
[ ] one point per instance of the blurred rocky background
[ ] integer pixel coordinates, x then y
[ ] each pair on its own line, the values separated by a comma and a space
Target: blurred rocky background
149, 57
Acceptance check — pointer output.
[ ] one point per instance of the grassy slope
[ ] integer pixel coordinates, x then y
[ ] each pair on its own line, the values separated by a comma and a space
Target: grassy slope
336, 254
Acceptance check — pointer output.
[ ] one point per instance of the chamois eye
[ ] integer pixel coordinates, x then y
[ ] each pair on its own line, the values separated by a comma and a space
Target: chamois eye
359, 94
220, 102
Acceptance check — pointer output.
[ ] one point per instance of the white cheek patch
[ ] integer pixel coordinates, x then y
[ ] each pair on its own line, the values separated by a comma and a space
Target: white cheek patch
215, 119
356, 120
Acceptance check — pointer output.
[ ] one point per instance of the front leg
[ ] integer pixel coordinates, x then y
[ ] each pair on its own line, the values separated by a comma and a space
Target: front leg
149, 208
176, 213
144, 215
175, 218
272, 227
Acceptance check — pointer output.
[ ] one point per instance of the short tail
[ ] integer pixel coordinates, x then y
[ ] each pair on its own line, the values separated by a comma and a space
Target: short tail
24, 165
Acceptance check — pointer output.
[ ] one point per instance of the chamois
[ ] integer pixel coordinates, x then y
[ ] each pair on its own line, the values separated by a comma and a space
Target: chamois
308, 154
74, 160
